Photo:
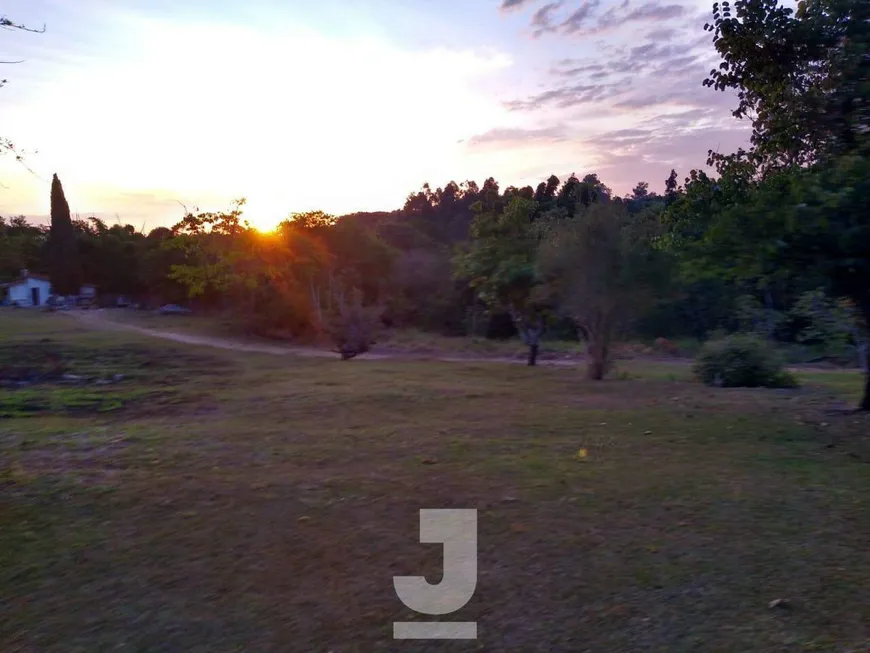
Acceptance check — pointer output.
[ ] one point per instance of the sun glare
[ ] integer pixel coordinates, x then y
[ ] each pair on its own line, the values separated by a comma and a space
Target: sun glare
286, 131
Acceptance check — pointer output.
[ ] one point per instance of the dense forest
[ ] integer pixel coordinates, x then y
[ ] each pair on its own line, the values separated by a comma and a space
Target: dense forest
405, 260
423, 265
776, 242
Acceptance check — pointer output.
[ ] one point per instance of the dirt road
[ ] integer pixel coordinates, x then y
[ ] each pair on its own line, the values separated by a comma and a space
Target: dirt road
100, 320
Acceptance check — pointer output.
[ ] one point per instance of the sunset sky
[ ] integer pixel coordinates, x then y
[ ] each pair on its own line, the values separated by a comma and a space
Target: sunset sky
141, 106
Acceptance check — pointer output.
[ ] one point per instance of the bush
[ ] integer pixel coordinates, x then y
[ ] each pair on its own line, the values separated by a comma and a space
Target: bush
352, 326
742, 362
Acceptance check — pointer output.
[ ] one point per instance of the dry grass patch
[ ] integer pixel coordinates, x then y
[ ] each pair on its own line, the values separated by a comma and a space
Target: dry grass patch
270, 507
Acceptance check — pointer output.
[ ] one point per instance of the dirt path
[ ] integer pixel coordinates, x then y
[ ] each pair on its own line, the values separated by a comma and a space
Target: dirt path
98, 319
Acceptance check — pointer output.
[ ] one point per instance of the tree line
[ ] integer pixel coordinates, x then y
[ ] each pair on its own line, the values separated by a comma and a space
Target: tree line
567, 259
405, 261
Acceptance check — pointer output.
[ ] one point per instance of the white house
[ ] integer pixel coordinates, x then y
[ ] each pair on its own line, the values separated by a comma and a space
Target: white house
33, 290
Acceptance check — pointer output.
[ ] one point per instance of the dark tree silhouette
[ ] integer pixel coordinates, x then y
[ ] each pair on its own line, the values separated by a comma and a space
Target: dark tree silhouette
63, 259
671, 186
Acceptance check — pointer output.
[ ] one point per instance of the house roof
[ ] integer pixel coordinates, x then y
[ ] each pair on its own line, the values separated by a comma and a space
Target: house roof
38, 277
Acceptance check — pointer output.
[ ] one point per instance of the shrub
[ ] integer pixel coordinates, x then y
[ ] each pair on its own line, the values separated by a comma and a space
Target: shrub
742, 362
352, 326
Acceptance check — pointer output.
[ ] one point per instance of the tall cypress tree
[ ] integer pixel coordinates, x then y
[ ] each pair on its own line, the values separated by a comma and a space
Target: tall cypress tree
63, 259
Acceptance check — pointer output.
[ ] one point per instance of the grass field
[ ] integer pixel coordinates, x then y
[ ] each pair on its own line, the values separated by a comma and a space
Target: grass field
220, 501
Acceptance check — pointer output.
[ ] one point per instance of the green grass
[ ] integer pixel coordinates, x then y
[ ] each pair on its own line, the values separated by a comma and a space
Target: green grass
845, 383
266, 502
25, 403
53, 365
413, 341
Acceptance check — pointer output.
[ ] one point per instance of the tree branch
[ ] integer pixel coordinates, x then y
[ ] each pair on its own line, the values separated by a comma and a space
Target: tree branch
5, 23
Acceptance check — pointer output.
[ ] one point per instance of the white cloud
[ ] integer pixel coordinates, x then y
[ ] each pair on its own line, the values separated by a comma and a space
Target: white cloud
292, 121
136, 113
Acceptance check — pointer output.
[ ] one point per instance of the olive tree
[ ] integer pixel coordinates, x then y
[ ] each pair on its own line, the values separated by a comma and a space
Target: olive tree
603, 269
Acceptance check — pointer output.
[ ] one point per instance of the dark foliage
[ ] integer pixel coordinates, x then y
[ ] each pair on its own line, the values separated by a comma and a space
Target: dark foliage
63, 255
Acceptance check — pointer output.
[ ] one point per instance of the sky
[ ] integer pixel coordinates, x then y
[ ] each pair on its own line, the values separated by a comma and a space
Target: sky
146, 107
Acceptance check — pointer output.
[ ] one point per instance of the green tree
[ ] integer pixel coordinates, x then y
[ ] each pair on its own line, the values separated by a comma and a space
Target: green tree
312, 220
545, 194
422, 291
795, 204
156, 261
569, 195
499, 264
112, 257
219, 254
836, 324
22, 246
603, 271
593, 190
672, 188
642, 199
65, 267
641, 191
802, 76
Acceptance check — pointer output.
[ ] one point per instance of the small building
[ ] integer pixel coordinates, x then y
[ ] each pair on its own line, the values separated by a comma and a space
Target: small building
28, 290
33, 290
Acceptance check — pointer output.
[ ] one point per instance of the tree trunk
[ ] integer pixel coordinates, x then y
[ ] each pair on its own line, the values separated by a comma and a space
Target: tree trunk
530, 333
533, 355
863, 356
594, 370
864, 307
596, 366
347, 354
771, 322
865, 401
